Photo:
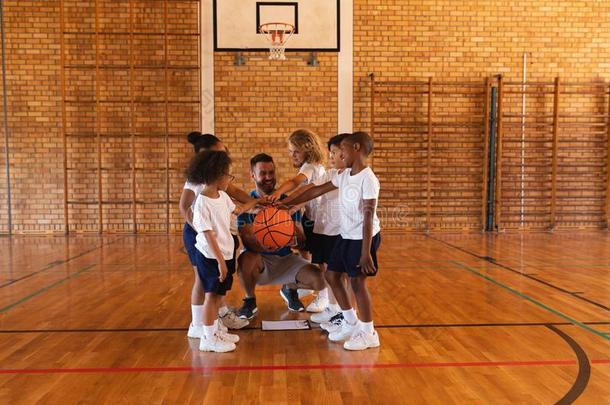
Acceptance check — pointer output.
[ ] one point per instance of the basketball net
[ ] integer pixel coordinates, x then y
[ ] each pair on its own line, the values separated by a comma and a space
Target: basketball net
278, 35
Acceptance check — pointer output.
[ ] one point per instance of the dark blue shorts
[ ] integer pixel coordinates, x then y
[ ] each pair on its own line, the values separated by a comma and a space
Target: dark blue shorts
323, 246
346, 256
308, 231
207, 269
189, 237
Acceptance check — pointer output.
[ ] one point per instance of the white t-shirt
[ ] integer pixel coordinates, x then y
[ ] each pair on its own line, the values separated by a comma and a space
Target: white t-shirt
352, 190
313, 172
328, 213
197, 188
214, 214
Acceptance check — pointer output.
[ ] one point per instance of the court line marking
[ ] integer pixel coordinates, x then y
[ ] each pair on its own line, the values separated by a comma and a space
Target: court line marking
493, 261
290, 367
48, 287
60, 262
389, 326
532, 300
584, 368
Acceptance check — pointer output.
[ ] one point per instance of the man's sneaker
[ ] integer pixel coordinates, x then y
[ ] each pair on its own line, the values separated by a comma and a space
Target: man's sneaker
345, 332
324, 316
319, 304
229, 337
362, 341
195, 331
248, 309
292, 299
333, 323
232, 321
216, 343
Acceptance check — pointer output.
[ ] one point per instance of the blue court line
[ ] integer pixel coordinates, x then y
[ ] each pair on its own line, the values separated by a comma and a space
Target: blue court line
533, 301
55, 284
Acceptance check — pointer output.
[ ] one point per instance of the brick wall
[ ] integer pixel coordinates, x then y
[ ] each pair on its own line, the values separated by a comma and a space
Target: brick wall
259, 104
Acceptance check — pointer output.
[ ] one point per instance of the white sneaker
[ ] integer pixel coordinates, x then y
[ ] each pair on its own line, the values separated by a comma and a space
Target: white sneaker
362, 341
344, 332
228, 337
216, 344
232, 321
303, 292
324, 316
333, 324
195, 331
319, 304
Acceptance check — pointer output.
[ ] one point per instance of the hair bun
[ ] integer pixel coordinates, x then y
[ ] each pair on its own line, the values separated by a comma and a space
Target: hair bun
193, 137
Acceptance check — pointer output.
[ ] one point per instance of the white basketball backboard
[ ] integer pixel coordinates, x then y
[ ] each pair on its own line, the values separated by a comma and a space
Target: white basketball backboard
316, 24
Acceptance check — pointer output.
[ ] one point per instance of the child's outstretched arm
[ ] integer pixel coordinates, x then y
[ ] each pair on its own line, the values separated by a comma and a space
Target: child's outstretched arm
366, 261
238, 194
308, 194
251, 203
287, 186
210, 236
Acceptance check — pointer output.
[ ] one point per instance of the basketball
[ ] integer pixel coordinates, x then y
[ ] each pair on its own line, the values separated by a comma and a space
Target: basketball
273, 228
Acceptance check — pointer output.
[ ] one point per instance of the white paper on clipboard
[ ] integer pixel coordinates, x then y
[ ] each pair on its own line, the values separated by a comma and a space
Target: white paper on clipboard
296, 324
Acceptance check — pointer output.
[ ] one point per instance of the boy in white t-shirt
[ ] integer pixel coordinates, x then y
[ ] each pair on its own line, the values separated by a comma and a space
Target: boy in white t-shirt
356, 252
216, 261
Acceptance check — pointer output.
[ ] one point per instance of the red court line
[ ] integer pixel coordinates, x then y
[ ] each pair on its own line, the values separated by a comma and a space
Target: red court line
111, 370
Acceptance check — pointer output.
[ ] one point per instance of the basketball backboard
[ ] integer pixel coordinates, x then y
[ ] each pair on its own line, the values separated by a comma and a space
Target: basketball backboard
316, 24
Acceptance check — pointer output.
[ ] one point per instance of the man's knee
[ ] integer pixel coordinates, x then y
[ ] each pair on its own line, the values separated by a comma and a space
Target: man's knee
249, 263
312, 276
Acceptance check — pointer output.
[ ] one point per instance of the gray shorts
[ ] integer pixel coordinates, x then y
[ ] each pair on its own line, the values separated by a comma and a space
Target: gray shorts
281, 269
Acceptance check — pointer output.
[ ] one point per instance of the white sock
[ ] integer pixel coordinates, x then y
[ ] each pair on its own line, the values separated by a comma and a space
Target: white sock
367, 327
350, 316
197, 314
323, 293
209, 330
222, 311
215, 324
334, 308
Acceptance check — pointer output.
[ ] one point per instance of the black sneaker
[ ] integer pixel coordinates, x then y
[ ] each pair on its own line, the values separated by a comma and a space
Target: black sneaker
248, 309
292, 299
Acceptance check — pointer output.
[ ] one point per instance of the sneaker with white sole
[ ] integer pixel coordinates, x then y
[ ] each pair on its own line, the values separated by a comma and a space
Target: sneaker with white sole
229, 337
215, 343
195, 331
292, 299
324, 316
303, 292
232, 321
333, 324
319, 304
362, 341
345, 332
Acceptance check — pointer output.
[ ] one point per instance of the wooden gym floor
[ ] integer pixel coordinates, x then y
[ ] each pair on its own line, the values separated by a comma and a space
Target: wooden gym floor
510, 318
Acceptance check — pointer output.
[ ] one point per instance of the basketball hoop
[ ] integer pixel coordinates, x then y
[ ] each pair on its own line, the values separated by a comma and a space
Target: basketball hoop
277, 34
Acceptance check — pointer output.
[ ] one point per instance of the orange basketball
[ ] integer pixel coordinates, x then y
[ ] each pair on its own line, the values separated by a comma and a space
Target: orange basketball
273, 228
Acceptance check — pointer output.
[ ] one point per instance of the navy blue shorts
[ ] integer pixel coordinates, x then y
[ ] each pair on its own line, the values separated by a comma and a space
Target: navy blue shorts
189, 237
346, 256
308, 231
323, 246
207, 269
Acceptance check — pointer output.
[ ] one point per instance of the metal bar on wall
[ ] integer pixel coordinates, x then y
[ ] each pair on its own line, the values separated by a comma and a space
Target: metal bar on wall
166, 60
485, 154
134, 212
608, 164
429, 159
63, 113
372, 75
555, 143
97, 120
6, 143
498, 199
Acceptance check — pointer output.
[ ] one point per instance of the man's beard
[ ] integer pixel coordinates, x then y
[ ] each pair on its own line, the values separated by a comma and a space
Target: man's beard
266, 186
